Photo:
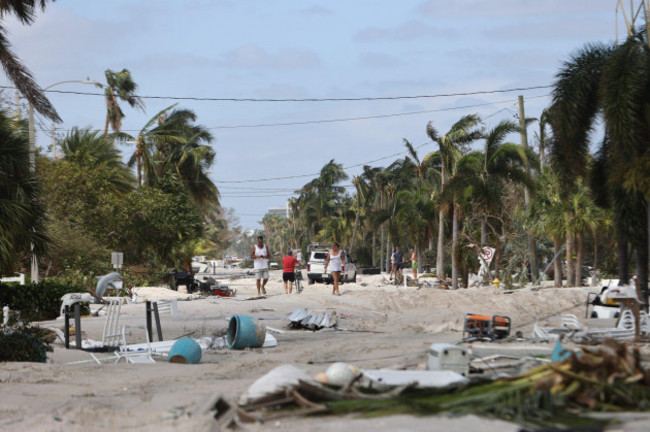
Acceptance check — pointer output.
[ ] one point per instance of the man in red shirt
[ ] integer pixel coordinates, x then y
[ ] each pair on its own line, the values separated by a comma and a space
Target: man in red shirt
289, 263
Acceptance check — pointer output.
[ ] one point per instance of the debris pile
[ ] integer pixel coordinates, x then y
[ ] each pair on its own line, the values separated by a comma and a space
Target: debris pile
311, 320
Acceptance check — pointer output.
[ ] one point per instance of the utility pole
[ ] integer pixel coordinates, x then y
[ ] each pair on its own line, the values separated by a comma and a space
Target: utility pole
524, 144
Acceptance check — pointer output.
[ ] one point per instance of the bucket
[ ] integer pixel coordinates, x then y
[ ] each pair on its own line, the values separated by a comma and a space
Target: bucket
244, 331
185, 351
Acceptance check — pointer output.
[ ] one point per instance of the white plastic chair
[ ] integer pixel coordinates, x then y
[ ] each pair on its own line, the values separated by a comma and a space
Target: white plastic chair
112, 335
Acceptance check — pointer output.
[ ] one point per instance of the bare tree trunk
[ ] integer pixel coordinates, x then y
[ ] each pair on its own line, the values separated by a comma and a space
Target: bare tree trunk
557, 265
374, 248
484, 236
454, 249
388, 254
579, 255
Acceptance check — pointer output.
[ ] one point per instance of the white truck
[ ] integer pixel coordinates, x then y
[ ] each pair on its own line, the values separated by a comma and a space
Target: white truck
316, 266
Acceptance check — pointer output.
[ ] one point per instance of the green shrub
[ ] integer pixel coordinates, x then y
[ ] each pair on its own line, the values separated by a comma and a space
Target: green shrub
22, 343
37, 302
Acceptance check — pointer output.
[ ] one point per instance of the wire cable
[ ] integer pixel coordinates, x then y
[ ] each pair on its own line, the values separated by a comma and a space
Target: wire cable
344, 99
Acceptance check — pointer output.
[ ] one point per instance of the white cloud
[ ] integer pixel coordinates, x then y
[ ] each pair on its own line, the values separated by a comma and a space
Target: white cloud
253, 56
404, 32
501, 8
379, 60
316, 10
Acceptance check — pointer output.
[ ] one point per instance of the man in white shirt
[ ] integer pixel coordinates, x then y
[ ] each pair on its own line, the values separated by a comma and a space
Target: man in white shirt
260, 254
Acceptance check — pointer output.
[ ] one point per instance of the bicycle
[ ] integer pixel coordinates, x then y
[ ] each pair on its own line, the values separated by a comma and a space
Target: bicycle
298, 277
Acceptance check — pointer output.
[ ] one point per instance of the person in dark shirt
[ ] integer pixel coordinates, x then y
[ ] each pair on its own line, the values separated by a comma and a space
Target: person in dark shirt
399, 260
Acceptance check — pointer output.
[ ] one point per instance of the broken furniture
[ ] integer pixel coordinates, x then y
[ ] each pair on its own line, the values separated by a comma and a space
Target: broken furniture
572, 329
485, 326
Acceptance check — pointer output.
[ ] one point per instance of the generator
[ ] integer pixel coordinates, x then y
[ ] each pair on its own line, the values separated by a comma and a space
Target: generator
485, 326
448, 357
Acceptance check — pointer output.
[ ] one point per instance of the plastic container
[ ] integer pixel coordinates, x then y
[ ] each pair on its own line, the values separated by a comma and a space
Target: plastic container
244, 331
448, 357
185, 351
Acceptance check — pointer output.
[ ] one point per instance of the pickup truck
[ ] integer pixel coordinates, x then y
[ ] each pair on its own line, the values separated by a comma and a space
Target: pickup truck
316, 268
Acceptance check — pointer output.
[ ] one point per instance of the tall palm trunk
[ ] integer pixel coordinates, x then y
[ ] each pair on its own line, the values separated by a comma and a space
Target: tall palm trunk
580, 257
374, 249
388, 254
382, 241
454, 249
621, 257
569, 258
440, 263
356, 223
557, 265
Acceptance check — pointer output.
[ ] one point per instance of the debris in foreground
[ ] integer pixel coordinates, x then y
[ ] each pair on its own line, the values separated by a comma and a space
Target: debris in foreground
605, 378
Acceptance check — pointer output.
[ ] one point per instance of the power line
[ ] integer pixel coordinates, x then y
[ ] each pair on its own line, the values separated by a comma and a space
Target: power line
347, 99
351, 166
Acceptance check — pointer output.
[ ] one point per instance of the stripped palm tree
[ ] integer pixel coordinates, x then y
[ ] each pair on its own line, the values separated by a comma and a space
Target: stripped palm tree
119, 86
25, 11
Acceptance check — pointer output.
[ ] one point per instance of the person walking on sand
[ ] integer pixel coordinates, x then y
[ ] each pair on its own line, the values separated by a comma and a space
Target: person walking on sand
335, 257
399, 260
260, 254
289, 264
414, 264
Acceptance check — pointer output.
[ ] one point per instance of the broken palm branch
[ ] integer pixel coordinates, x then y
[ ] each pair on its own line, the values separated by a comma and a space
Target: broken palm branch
605, 378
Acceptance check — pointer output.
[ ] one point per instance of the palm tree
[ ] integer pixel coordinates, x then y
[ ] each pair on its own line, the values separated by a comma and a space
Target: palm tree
462, 133
22, 215
145, 141
169, 143
91, 149
25, 11
612, 81
119, 86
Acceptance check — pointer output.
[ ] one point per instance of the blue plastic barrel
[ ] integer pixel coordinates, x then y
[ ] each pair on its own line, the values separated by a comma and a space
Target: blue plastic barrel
244, 331
186, 351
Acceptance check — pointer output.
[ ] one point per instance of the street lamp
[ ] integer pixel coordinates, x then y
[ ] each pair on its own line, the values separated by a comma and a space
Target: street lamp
32, 153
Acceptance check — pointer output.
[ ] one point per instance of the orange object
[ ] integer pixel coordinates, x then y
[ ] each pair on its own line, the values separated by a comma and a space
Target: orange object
485, 326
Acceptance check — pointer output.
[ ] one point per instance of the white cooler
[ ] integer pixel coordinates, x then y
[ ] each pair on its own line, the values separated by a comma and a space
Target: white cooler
448, 357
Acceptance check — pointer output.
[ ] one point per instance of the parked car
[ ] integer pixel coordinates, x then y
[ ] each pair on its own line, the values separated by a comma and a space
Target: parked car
316, 266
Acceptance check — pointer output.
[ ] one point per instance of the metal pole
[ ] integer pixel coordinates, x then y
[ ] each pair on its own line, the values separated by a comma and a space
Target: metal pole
148, 316
157, 318
77, 325
66, 330
32, 167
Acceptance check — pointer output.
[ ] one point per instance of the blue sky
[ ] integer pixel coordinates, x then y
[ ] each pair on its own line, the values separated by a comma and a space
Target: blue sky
307, 49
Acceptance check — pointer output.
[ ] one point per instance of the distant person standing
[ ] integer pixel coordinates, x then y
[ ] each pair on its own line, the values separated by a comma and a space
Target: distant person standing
289, 264
299, 256
334, 262
399, 261
392, 265
260, 254
414, 264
